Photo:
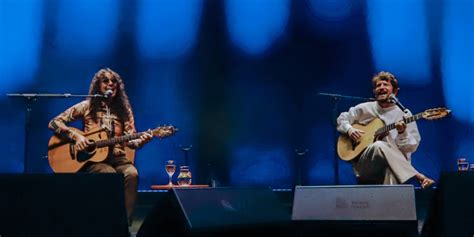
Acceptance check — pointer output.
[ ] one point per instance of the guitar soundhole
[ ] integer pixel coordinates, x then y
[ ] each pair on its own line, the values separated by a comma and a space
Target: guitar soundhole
83, 156
87, 154
354, 144
91, 148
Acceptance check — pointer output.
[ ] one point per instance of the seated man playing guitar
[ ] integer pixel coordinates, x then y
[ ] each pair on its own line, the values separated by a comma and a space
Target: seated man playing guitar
112, 114
388, 159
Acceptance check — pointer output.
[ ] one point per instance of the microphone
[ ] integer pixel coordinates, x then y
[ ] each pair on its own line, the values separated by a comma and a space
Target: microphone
393, 99
108, 93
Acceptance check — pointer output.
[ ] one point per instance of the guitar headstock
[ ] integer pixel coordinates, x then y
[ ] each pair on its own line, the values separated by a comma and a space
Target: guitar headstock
164, 131
436, 113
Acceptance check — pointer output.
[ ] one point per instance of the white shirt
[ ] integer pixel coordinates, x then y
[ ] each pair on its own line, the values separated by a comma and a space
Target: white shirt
364, 113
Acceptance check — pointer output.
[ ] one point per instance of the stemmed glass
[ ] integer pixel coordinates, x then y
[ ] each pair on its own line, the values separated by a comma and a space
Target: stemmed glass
170, 169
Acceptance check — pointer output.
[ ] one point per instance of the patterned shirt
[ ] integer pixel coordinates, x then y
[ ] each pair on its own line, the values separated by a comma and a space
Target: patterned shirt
106, 120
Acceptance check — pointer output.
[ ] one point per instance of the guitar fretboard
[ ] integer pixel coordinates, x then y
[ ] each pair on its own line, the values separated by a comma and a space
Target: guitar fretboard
115, 140
391, 126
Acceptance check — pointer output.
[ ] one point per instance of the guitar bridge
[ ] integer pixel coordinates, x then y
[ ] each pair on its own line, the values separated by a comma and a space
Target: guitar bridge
72, 151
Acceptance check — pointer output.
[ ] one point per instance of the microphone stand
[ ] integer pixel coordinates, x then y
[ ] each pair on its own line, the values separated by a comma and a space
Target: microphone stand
33, 97
186, 150
300, 154
336, 98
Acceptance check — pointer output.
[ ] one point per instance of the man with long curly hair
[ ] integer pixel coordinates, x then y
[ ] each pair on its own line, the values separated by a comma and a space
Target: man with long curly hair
387, 160
113, 114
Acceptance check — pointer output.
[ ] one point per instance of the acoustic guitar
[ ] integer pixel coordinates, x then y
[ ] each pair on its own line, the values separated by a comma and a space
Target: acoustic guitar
63, 157
348, 149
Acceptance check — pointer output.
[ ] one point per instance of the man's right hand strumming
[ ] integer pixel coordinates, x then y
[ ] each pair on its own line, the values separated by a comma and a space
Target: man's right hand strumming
355, 134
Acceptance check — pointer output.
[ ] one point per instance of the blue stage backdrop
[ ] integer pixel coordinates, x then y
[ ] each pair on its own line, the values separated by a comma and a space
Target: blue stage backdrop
239, 78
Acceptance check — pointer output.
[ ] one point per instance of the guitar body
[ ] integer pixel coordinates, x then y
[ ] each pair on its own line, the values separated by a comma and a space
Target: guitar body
348, 149
64, 159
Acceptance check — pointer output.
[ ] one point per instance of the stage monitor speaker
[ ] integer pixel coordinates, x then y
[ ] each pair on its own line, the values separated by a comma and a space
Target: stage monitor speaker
356, 210
62, 205
216, 212
451, 212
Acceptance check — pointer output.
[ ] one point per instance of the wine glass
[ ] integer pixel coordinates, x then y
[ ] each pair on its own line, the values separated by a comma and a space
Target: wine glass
170, 169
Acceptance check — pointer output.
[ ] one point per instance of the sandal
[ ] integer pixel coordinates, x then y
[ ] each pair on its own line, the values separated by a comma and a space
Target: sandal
426, 183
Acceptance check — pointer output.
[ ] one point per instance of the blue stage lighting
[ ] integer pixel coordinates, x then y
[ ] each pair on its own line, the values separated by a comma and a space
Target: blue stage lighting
331, 18
167, 29
332, 11
254, 25
21, 33
457, 58
254, 166
87, 29
399, 36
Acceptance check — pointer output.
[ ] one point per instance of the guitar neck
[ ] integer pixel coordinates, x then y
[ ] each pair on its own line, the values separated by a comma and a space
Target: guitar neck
115, 140
391, 126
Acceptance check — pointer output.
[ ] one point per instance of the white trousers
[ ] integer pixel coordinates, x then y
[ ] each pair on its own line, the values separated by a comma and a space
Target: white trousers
381, 163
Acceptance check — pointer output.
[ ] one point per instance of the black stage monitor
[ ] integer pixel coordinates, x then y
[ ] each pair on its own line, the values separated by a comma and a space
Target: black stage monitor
452, 209
216, 212
62, 205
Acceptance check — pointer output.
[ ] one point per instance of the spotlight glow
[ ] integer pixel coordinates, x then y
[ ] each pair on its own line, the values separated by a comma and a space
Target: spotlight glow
458, 58
21, 33
167, 29
399, 37
87, 29
254, 25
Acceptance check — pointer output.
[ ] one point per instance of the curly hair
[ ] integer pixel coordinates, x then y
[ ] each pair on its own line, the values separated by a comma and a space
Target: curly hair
385, 76
120, 104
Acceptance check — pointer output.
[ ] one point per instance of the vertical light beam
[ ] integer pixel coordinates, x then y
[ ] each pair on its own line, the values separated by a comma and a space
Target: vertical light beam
399, 38
20, 38
457, 58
